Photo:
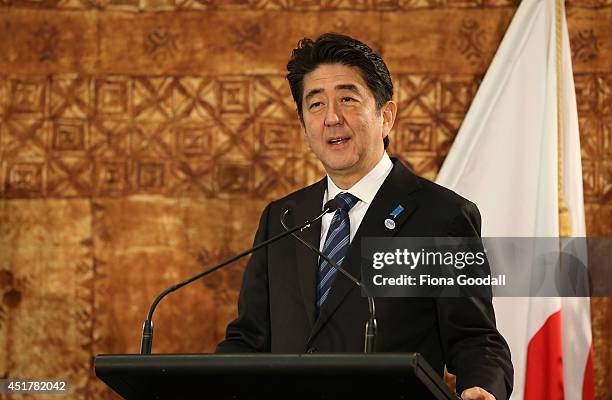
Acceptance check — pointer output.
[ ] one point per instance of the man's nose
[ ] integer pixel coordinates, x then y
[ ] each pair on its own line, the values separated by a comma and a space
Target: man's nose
333, 115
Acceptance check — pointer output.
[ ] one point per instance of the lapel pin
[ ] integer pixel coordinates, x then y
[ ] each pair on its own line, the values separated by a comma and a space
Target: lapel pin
389, 222
398, 210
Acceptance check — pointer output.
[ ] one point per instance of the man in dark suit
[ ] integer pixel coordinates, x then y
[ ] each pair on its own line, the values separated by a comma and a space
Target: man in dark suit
292, 302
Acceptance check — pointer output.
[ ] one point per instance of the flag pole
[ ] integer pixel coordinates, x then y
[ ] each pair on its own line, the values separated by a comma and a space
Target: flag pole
565, 229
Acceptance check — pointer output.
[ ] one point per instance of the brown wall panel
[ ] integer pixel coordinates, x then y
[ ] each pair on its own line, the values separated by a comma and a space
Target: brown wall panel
44, 42
591, 39
209, 42
443, 40
46, 284
140, 140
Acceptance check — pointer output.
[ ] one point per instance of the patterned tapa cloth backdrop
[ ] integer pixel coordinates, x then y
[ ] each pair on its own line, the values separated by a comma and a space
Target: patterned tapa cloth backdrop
140, 140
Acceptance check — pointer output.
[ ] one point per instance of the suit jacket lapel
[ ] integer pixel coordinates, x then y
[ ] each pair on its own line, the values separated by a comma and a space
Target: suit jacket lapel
394, 191
310, 205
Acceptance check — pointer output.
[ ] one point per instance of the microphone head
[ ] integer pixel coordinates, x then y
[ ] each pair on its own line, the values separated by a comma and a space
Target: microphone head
332, 205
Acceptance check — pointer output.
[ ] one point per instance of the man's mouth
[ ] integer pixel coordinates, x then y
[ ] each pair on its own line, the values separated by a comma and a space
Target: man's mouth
338, 140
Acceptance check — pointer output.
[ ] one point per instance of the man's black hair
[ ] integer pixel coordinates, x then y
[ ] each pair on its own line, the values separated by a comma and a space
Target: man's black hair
332, 48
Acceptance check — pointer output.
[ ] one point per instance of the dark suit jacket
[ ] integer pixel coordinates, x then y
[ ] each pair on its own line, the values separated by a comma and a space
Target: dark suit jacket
276, 307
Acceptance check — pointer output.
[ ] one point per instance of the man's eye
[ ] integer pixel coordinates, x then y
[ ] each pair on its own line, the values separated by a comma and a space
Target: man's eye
315, 105
347, 99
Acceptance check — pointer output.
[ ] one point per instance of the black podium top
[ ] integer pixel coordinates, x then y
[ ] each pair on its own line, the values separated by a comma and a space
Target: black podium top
265, 376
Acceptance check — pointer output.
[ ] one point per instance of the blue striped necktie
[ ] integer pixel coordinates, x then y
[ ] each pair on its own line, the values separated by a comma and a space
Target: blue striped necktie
336, 244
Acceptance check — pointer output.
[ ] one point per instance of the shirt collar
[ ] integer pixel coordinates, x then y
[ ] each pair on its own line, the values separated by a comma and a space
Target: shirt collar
365, 189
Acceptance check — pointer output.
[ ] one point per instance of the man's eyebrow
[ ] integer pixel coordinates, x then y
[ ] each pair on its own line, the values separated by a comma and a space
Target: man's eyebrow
348, 86
343, 86
311, 93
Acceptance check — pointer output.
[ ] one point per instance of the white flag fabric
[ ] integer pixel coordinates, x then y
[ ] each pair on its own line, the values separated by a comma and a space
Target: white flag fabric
504, 159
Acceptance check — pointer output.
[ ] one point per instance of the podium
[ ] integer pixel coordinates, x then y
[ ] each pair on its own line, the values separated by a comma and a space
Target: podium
265, 376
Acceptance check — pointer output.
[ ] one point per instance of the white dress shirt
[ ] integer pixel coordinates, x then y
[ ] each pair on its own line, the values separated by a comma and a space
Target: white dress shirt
365, 190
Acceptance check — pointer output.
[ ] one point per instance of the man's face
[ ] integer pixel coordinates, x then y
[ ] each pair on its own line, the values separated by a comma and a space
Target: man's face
343, 126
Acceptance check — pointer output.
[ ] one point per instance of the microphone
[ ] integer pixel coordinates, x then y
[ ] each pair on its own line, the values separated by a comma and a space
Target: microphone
146, 341
370, 329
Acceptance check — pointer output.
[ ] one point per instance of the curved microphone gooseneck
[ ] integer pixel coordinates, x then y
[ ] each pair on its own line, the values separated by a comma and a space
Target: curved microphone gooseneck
146, 341
370, 330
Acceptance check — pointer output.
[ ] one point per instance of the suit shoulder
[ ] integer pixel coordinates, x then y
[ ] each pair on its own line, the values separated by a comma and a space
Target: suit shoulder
459, 215
442, 196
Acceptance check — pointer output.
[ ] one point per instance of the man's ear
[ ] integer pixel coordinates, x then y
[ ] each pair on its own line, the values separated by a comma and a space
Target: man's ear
389, 111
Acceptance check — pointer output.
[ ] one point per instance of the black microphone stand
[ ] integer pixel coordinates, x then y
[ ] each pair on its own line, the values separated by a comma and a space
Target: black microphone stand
370, 329
146, 341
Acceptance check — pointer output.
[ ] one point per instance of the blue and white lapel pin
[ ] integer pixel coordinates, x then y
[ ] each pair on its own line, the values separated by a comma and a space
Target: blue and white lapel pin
390, 222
